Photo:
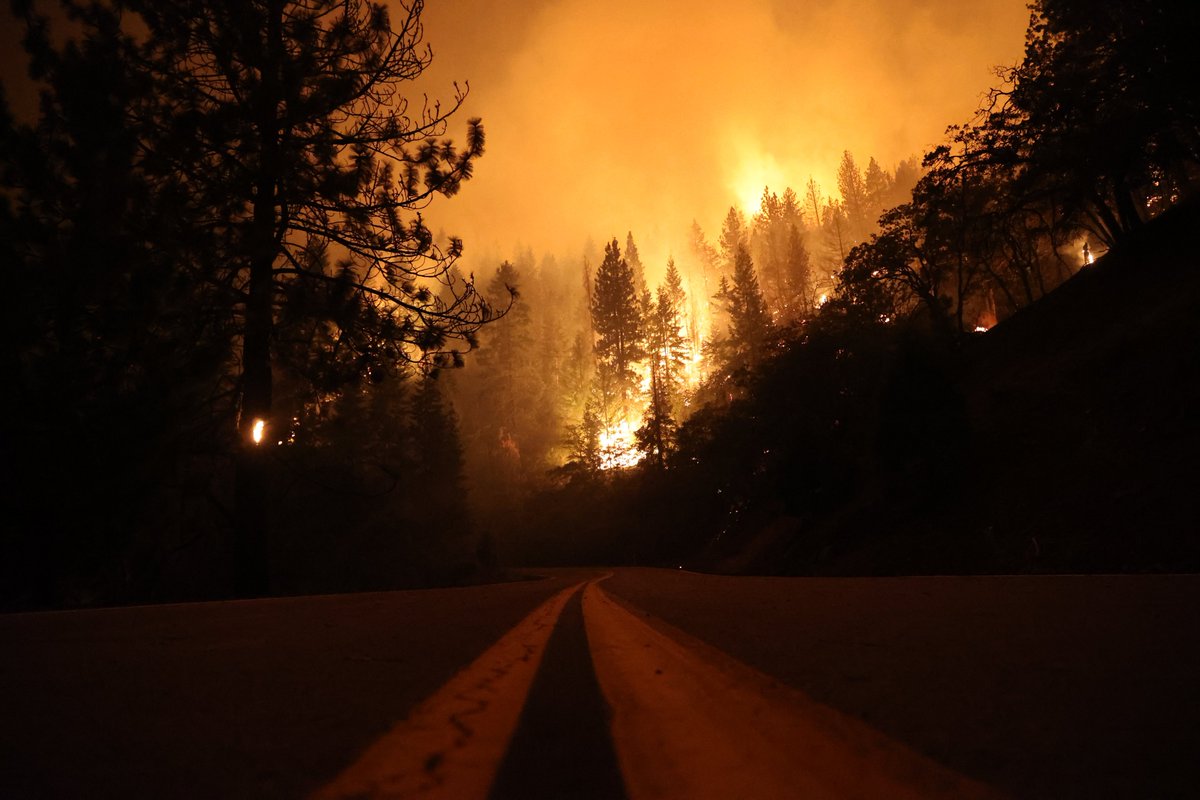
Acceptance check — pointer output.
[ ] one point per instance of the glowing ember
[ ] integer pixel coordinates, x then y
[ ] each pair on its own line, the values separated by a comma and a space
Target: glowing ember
256, 432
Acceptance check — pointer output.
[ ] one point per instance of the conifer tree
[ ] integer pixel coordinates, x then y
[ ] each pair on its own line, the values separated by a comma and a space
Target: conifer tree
508, 377
749, 321
777, 247
438, 463
702, 279
878, 184
667, 347
583, 441
619, 343
281, 170
636, 265
855, 199
734, 234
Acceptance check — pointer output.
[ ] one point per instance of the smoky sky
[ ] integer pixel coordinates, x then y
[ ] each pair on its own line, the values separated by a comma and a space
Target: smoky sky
608, 116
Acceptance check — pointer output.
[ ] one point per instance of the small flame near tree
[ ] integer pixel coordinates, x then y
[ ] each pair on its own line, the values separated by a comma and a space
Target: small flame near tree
256, 432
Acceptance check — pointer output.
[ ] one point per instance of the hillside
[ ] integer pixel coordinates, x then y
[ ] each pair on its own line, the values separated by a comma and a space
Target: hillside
1079, 443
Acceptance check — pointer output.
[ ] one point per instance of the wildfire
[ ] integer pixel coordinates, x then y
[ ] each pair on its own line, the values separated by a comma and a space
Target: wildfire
618, 446
256, 433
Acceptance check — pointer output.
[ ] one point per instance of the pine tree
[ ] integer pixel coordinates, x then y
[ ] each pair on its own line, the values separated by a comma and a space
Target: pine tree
855, 200
438, 462
287, 119
750, 322
813, 200
636, 266
619, 344
702, 279
506, 355
667, 347
777, 247
583, 441
878, 184
734, 234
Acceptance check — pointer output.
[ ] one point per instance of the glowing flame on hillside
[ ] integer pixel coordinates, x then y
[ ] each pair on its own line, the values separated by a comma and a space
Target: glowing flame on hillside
618, 446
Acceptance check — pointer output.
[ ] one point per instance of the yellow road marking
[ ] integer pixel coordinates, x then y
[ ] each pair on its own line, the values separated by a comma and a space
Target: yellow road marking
452, 744
691, 722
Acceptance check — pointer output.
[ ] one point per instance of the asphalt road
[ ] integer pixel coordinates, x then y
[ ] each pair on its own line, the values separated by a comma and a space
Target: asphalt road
1034, 686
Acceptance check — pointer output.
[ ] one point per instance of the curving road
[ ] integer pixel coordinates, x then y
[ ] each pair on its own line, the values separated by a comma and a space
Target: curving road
630, 683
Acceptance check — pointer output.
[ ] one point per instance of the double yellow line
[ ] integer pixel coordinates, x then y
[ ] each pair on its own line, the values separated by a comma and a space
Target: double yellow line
688, 721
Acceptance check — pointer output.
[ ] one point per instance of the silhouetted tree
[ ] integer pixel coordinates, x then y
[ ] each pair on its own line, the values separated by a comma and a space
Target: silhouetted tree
287, 118
437, 459
878, 185
114, 346
702, 279
744, 344
734, 234
667, 352
855, 198
584, 450
617, 321
279, 174
777, 245
1100, 120
635, 265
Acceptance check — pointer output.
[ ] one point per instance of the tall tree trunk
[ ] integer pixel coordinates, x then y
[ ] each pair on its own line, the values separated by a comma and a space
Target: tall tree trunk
252, 476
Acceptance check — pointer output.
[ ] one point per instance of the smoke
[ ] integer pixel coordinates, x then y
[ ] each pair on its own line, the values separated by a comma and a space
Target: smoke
608, 116
605, 116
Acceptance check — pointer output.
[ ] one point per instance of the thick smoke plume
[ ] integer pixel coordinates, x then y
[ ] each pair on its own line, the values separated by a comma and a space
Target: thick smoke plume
606, 116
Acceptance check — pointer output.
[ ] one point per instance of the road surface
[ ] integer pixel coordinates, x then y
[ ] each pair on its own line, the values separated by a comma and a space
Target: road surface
625, 683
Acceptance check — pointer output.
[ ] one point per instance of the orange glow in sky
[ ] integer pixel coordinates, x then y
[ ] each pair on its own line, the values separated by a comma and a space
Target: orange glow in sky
607, 116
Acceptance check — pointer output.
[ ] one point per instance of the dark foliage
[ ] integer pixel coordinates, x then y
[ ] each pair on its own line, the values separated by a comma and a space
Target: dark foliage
213, 220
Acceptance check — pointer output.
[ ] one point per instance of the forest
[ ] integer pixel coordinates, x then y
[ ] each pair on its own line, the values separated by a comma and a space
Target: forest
243, 363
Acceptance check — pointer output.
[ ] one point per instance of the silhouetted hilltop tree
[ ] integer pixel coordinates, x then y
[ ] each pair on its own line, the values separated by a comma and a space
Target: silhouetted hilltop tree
750, 322
935, 250
737, 351
1100, 121
1093, 133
